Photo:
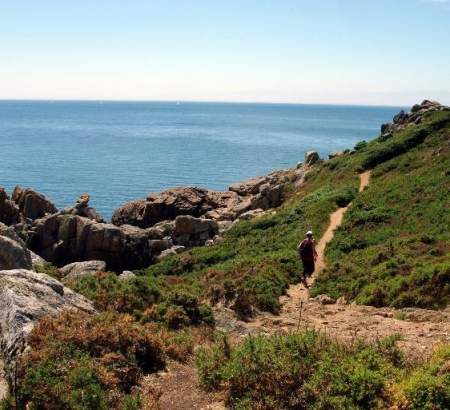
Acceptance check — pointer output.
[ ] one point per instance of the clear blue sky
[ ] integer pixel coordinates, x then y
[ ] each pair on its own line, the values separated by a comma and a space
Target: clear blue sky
331, 51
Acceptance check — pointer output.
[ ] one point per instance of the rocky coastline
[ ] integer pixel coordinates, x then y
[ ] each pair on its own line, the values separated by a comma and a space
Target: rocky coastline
142, 232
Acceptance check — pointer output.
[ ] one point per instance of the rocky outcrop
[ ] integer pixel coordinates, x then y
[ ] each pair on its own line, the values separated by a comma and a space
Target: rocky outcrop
335, 154
174, 202
249, 187
78, 269
311, 157
62, 239
13, 255
32, 204
261, 192
126, 275
403, 119
25, 297
82, 208
146, 230
190, 231
9, 211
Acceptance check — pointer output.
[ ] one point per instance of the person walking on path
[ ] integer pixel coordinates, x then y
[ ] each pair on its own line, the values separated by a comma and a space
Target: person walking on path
308, 254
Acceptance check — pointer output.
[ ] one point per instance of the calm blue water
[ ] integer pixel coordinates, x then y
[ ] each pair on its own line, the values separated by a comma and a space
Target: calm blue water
119, 151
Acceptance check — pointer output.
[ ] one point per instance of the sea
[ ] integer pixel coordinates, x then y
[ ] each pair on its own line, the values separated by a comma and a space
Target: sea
119, 151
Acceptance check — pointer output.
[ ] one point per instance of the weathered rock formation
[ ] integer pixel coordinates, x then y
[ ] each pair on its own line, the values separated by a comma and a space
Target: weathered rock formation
32, 204
9, 211
13, 255
26, 296
190, 231
78, 269
311, 157
62, 239
169, 204
403, 119
82, 208
143, 231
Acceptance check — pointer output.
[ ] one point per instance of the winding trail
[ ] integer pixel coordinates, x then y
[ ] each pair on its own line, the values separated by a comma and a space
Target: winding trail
421, 329
298, 292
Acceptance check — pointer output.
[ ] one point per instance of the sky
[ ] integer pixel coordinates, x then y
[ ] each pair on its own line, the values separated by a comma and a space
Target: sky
378, 52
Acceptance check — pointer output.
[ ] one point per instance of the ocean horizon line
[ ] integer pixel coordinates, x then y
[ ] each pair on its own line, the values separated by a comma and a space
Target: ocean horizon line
101, 101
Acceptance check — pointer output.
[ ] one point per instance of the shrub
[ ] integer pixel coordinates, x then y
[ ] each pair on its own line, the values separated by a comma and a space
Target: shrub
180, 308
386, 151
108, 292
299, 370
428, 387
49, 269
344, 196
86, 362
360, 145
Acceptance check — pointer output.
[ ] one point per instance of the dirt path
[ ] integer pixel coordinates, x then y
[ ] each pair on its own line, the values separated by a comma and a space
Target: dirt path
299, 292
177, 388
421, 329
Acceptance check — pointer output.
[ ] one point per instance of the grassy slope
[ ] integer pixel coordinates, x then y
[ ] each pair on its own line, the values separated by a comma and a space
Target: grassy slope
393, 247
257, 260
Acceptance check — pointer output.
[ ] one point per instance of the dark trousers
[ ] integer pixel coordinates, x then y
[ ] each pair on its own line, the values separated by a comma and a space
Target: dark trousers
308, 267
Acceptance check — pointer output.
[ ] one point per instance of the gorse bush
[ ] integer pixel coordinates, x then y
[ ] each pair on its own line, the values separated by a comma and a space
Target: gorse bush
143, 297
108, 292
428, 387
299, 371
80, 361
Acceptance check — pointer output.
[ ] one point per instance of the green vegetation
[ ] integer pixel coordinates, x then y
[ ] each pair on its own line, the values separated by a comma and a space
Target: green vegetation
392, 250
310, 371
81, 361
49, 269
145, 299
393, 247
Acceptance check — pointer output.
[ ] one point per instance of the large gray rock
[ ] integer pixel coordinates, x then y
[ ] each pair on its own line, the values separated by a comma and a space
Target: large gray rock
249, 187
13, 255
62, 239
78, 269
10, 233
269, 196
25, 297
190, 231
164, 206
311, 157
9, 211
32, 204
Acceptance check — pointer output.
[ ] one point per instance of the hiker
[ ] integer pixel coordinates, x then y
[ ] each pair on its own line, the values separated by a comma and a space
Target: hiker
308, 254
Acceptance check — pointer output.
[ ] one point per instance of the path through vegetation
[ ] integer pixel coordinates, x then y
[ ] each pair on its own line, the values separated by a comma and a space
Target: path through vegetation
421, 329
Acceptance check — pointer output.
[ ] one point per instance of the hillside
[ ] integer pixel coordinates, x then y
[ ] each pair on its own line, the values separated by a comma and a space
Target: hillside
392, 251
